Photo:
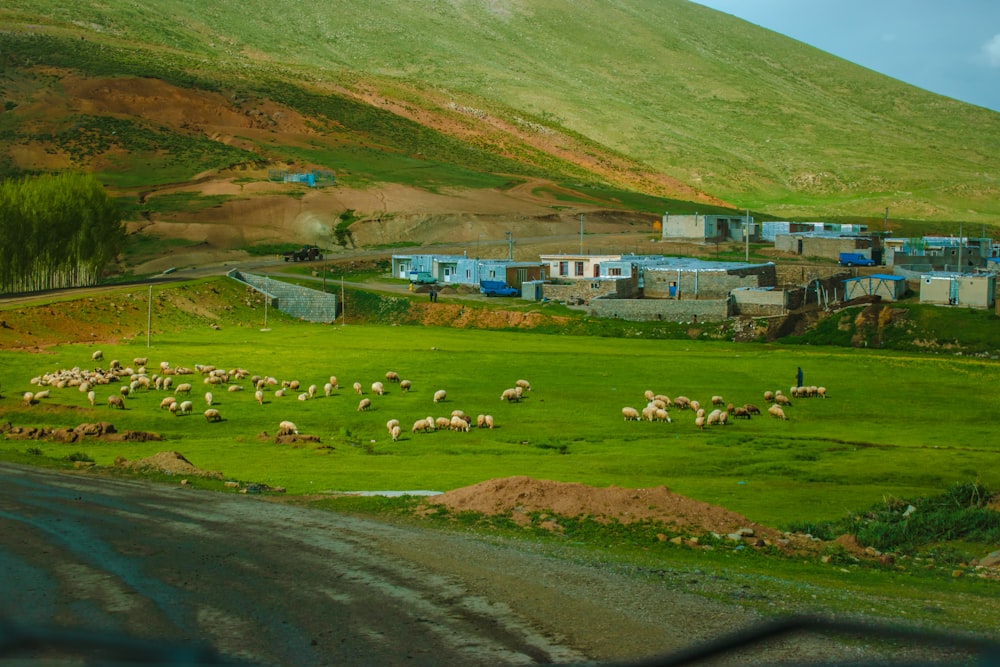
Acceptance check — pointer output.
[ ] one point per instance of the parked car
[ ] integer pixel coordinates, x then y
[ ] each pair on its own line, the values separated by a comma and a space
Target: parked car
497, 288
855, 259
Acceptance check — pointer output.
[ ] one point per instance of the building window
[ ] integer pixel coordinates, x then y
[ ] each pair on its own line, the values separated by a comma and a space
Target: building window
563, 268
614, 272
578, 268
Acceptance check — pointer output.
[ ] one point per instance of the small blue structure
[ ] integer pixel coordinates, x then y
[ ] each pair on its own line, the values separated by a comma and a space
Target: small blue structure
889, 287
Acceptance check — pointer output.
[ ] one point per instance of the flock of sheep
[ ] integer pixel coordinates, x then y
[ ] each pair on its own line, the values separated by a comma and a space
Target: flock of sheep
177, 399
657, 406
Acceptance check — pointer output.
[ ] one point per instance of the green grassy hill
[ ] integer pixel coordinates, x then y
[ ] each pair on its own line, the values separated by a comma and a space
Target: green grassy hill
662, 97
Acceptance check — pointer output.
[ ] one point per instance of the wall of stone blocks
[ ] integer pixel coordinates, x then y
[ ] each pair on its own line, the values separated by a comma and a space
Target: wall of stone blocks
668, 310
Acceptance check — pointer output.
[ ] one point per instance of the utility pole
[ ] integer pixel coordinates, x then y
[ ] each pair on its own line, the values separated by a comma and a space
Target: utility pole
746, 235
581, 233
509, 237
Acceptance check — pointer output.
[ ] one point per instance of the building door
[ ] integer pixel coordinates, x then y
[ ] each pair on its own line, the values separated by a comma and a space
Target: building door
673, 289
953, 292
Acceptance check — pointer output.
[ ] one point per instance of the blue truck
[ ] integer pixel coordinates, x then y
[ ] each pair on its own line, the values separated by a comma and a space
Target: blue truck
855, 259
497, 288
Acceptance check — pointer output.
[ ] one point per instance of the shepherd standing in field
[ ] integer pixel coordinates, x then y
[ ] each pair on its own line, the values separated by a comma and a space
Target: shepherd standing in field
798, 377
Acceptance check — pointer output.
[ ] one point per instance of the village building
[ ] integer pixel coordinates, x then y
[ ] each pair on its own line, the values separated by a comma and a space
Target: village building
972, 290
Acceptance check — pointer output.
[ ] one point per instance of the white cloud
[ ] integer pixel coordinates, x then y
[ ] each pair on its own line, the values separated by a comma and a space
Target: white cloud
992, 51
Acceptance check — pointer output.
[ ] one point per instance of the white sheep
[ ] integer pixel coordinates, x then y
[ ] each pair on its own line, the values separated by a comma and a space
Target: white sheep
167, 402
662, 415
510, 395
442, 423
781, 399
39, 395
392, 376
208, 398
233, 388
115, 401
422, 425
431, 425
259, 397
294, 385
186, 407
378, 389
440, 395
183, 388
333, 382
395, 432
777, 412
212, 415
821, 392
630, 414
404, 385
459, 424
124, 390
97, 355
91, 396
648, 395
357, 388
700, 422
139, 361
278, 393
28, 398
488, 421
364, 404
717, 400
480, 421
287, 428
389, 424
303, 396
327, 389
312, 391
173, 409
769, 396
523, 384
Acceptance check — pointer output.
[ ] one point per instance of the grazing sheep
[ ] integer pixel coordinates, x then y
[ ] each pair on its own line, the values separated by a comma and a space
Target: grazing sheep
821, 392
139, 361
395, 432
781, 399
510, 395
378, 389
364, 404
208, 398
97, 356
84, 387
523, 384
259, 397
278, 393
183, 388
294, 385
115, 401
91, 396
694, 405
700, 422
392, 376
431, 426
700, 412
392, 422
173, 409
661, 415
287, 428
751, 409
480, 421
741, 412
776, 412
114, 365
717, 400
682, 402
630, 414
28, 398
649, 412
212, 415
357, 388
333, 382
233, 388
649, 395
769, 396
39, 395
327, 389
442, 423
124, 390
312, 391
167, 383
422, 425
404, 385
186, 407
714, 417
440, 395
167, 402
459, 424
303, 396
658, 404
489, 422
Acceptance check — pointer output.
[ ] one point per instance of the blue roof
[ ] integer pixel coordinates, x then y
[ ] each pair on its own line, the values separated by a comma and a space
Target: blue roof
879, 276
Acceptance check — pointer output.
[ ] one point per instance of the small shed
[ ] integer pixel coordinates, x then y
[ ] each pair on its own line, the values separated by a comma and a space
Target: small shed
973, 290
889, 287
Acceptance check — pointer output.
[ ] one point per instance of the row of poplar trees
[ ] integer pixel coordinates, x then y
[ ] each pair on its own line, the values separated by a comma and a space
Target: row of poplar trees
56, 231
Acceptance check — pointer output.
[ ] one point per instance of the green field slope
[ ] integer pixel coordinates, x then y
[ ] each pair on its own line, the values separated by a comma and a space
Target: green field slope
660, 96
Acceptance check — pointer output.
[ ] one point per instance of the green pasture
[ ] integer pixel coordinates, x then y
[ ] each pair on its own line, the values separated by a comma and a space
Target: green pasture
893, 425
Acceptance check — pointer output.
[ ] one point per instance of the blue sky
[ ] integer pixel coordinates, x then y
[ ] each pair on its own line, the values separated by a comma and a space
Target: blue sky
950, 47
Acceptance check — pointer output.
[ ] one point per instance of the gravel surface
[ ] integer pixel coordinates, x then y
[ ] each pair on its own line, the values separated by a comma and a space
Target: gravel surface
274, 583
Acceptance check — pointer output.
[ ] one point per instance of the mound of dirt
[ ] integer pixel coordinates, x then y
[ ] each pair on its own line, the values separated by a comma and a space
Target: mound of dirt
172, 463
520, 495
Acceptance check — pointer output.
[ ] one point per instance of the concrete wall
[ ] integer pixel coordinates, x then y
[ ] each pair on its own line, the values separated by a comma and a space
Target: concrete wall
759, 302
973, 291
651, 310
707, 284
301, 302
584, 291
819, 246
